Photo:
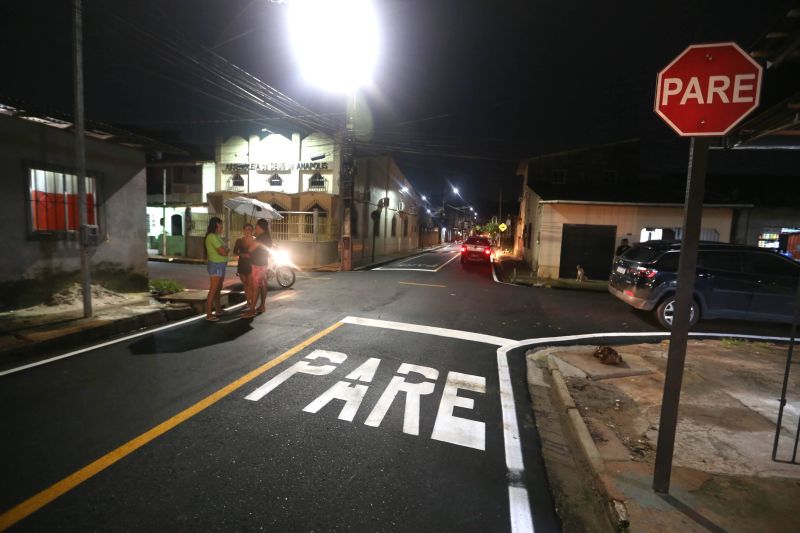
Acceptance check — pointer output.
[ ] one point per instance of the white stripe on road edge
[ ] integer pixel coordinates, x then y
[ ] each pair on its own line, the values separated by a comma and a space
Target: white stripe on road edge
115, 341
520, 509
519, 504
428, 330
496, 280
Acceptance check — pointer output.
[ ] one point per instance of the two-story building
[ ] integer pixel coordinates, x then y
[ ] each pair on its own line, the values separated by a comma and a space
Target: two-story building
299, 176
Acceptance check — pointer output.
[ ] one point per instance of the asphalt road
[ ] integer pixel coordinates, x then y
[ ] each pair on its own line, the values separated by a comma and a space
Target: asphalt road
374, 400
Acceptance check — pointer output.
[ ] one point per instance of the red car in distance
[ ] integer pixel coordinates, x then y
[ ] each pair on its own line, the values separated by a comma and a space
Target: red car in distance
477, 249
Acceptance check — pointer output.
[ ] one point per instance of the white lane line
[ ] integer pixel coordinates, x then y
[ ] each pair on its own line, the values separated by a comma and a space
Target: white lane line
115, 341
432, 269
409, 269
447, 262
428, 330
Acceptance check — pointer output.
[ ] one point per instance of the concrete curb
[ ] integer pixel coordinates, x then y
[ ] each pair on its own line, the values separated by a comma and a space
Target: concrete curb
559, 284
89, 331
616, 510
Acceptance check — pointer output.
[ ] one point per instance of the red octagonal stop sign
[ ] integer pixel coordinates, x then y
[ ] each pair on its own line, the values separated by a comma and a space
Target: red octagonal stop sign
708, 89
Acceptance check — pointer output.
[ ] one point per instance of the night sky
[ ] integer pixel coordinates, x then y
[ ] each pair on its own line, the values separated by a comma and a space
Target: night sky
487, 81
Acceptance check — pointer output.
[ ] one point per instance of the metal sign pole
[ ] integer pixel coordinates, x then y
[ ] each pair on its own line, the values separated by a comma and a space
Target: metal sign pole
692, 216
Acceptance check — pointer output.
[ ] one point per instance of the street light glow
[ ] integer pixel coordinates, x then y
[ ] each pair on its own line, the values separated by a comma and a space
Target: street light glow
429, 211
347, 58
404, 189
455, 190
425, 199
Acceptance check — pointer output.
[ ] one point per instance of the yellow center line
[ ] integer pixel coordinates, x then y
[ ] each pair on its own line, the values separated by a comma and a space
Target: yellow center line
422, 284
36, 502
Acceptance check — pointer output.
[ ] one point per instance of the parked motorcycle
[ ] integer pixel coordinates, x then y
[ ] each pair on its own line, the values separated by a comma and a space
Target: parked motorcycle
281, 269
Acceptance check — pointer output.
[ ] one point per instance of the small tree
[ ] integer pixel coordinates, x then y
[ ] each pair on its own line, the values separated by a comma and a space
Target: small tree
490, 227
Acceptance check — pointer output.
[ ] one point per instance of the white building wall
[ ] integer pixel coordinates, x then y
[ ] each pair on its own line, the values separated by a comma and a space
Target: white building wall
261, 158
629, 220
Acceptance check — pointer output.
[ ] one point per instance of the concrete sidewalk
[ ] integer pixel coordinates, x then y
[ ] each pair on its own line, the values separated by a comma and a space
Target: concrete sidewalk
26, 335
514, 270
723, 477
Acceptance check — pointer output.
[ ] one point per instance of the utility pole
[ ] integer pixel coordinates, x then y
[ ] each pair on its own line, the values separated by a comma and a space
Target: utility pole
346, 179
164, 211
80, 155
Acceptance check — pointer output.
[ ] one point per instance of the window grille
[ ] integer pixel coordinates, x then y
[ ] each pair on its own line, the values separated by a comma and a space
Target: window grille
54, 201
316, 182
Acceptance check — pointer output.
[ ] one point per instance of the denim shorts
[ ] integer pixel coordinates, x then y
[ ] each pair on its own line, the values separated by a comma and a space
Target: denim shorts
216, 269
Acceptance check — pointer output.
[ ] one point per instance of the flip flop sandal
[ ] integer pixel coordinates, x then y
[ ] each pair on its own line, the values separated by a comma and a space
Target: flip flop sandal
212, 319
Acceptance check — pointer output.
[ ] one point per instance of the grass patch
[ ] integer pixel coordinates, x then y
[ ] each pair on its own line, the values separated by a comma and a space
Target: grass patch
165, 286
730, 343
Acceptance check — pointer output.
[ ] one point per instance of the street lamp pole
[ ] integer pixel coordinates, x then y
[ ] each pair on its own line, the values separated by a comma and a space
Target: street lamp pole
355, 52
347, 173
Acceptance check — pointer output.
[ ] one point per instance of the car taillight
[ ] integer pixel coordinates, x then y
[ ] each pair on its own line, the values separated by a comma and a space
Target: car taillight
463, 249
648, 273
487, 251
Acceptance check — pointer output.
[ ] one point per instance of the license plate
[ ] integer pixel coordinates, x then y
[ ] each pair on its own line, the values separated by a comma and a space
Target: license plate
474, 248
621, 270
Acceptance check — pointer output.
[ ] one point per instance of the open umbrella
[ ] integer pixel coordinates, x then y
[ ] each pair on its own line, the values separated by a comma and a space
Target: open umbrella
252, 207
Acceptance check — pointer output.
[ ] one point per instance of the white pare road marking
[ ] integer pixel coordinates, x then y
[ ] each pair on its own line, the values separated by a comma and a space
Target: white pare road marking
413, 392
447, 427
300, 367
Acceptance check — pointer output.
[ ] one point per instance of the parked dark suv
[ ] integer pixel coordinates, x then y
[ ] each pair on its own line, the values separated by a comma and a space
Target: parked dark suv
732, 281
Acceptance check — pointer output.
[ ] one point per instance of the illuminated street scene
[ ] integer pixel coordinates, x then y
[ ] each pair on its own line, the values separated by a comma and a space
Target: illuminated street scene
386, 265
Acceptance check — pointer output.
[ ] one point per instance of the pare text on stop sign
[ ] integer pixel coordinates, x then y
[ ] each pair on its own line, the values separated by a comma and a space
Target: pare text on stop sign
742, 89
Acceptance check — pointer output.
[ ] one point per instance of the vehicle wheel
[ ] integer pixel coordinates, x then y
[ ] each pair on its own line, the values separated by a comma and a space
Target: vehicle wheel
285, 276
666, 310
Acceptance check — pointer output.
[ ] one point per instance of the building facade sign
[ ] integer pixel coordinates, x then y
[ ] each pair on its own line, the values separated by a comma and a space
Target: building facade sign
275, 167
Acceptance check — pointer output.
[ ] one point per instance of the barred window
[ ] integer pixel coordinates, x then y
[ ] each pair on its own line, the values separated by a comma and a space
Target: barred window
54, 201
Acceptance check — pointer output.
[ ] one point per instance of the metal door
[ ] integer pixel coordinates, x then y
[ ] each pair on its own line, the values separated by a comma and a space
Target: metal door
589, 246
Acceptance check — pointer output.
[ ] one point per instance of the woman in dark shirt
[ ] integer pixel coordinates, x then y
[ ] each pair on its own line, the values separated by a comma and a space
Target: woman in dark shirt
241, 248
259, 258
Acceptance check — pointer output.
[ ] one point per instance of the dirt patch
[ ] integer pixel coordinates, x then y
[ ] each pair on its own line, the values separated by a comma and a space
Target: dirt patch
603, 403
67, 304
73, 296
727, 414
